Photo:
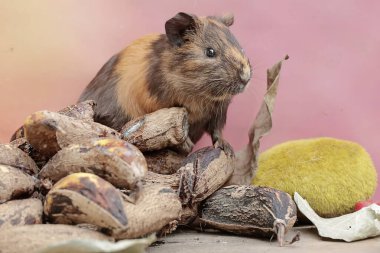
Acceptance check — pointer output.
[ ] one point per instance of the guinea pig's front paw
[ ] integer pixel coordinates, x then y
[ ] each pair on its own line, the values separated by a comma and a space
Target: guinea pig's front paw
184, 148
225, 146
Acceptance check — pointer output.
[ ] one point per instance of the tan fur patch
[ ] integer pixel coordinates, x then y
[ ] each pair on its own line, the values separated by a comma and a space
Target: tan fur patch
133, 94
237, 54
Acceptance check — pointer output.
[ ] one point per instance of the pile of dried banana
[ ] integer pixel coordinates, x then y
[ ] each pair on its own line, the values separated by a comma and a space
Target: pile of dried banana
64, 168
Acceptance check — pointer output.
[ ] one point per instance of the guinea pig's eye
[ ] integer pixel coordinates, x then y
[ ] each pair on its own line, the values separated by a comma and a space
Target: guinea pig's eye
210, 52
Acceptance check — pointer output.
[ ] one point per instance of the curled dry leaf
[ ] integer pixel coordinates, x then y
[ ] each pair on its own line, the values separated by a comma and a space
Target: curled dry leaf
156, 207
117, 161
14, 183
13, 156
33, 238
158, 130
20, 212
250, 210
48, 132
86, 198
245, 163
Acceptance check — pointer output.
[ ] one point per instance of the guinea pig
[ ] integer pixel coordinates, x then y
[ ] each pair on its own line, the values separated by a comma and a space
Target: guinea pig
198, 64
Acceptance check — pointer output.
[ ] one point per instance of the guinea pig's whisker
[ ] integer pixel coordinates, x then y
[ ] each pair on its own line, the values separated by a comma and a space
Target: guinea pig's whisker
253, 93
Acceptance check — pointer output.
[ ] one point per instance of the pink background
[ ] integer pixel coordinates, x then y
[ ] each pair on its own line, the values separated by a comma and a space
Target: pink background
50, 50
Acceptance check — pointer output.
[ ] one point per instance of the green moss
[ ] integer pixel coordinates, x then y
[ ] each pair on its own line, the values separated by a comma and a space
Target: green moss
331, 174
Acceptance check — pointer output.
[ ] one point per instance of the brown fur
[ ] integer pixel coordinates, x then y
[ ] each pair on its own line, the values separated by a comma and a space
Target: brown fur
132, 89
172, 69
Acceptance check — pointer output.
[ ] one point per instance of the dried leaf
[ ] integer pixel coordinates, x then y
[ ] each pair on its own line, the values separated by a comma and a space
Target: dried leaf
246, 159
92, 246
355, 226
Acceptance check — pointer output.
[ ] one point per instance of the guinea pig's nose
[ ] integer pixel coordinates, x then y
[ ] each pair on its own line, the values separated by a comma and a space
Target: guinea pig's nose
245, 75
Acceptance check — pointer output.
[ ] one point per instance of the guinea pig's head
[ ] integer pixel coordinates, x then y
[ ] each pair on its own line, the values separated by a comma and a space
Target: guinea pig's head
206, 56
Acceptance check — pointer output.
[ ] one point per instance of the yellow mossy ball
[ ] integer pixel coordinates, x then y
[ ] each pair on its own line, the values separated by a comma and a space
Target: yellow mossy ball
331, 174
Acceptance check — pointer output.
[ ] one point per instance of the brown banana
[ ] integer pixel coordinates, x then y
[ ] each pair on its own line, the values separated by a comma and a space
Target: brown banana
83, 111
24, 145
250, 210
20, 212
117, 161
48, 132
86, 198
14, 183
202, 173
13, 156
155, 131
156, 207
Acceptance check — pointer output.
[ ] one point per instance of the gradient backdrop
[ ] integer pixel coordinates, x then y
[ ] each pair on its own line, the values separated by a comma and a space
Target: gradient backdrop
50, 50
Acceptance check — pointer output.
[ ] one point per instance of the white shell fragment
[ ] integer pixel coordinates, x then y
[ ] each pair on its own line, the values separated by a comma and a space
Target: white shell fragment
355, 226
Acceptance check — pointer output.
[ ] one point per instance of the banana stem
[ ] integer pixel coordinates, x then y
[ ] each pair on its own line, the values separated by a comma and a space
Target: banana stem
280, 229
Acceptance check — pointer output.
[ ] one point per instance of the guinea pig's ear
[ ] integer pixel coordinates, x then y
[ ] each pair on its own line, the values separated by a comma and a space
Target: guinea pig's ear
227, 19
177, 27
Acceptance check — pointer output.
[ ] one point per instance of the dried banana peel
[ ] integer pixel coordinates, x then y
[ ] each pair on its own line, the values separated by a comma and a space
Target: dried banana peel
211, 168
163, 128
200, 175
116, 161
48, 132
156, 207
86, 198
15, 157
20, 212
249, 210
24, 145
14, 183
82, 110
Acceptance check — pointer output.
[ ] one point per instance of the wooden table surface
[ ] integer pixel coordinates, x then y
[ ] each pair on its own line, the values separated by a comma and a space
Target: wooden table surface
189, 241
